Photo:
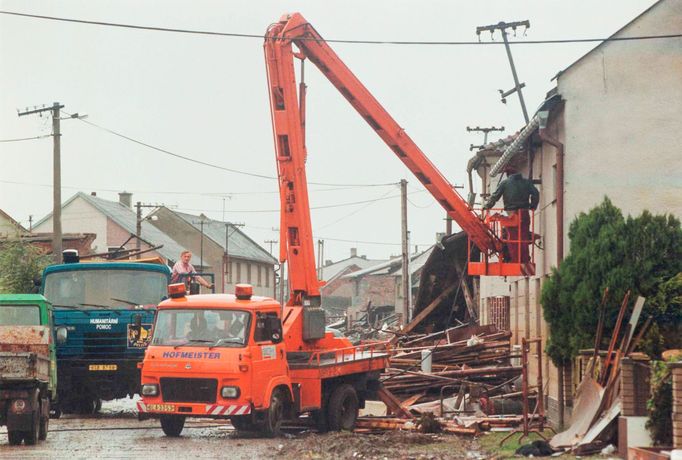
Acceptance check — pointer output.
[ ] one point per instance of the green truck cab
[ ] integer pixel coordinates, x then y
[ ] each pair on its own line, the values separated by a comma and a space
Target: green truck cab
28, 366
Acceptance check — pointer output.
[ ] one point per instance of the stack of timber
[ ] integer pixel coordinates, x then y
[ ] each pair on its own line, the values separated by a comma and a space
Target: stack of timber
460, 358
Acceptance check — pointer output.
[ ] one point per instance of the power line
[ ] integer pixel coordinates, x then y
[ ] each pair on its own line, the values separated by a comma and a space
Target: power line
337, 205
211, 165
169, 192
26, 138
355, 42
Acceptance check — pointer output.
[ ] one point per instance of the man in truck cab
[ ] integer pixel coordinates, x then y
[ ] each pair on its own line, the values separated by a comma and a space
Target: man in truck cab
518, 195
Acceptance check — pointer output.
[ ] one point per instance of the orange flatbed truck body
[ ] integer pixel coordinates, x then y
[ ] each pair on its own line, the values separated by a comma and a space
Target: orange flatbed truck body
187, 379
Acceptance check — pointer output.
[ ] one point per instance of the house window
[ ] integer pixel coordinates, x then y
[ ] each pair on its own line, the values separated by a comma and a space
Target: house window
228, 267
267, 277
239, 273
248, 273
260, 276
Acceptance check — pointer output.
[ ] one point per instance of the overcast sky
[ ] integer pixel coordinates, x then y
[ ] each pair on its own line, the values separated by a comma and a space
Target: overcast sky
206, 97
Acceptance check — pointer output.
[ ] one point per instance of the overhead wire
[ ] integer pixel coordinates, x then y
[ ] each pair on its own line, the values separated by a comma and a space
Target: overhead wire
347, 41
211, 165
26, 138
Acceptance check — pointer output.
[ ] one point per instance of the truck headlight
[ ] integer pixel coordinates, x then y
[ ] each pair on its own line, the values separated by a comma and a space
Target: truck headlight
229, 392
150, 389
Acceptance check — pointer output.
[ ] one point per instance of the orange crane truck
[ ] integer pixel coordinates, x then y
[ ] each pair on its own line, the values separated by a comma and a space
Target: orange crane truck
235, 356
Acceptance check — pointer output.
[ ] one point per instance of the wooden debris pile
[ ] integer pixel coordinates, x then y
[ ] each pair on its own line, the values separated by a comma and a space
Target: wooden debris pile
459, 357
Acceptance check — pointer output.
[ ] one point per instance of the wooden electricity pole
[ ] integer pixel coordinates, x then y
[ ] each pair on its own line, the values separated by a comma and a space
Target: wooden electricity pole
56, 178
405, 253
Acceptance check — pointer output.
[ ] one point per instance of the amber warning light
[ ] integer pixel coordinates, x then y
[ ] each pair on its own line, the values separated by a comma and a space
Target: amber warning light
177, 290
243, 291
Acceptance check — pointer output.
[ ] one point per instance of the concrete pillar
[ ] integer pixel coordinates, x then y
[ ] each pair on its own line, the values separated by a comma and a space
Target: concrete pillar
677, 404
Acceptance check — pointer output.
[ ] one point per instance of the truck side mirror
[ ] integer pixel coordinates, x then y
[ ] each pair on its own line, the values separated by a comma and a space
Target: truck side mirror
273, 327
62, 335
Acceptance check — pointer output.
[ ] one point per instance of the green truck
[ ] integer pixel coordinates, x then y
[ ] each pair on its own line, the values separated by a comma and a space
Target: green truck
28, 366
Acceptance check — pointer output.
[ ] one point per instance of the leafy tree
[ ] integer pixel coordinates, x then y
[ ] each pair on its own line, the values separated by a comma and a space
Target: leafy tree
20, 264
636, 253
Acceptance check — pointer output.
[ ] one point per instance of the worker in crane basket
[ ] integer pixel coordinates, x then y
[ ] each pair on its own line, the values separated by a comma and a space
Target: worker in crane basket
518, 195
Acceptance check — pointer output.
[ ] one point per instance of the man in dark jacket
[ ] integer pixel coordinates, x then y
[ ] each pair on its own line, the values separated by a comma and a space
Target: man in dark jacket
519, 195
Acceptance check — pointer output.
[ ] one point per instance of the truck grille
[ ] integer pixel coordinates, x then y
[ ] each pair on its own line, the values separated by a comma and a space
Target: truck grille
99, 344
189, 390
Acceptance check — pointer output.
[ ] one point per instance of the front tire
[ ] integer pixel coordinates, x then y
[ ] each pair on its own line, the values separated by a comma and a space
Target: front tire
343, 407
172, 425
279, 407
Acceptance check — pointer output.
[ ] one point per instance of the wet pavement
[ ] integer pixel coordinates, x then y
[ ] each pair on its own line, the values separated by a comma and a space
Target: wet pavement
116, 433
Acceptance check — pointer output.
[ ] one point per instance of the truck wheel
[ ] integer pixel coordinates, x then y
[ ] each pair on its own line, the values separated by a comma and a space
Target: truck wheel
44, 424
172, 425
279, 406
15, 437
31, 436
342, 410
243, 422
44, 418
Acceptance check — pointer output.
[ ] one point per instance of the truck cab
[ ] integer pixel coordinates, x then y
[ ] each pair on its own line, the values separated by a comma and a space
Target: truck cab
28, 371
103, 312
226, 356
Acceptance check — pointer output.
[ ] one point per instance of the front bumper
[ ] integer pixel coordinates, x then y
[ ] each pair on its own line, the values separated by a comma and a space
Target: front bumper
148, 410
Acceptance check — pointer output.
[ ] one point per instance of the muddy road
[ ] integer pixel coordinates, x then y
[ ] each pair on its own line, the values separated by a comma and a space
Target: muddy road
116, 433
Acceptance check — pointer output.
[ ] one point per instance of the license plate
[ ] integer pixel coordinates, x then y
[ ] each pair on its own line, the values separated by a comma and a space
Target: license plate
161, 407
102, 367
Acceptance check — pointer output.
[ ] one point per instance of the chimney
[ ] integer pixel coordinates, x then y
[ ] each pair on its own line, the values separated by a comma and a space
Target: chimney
353, 252
126, 199
93, 193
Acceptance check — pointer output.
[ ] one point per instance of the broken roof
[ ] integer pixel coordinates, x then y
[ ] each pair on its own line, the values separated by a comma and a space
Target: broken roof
392, 267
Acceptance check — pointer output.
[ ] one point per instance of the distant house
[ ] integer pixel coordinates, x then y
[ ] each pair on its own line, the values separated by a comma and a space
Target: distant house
228, 252
337, 293
381, 284
611, 128
82, 242
114, 224
10, 227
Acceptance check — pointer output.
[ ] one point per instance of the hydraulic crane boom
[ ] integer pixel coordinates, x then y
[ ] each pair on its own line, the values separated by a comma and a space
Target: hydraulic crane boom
288, 126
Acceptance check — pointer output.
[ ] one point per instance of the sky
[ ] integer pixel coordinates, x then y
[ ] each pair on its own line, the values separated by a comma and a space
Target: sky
205, 97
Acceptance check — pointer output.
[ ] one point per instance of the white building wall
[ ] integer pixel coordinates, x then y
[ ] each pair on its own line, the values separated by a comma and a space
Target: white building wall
80, 217
623, 119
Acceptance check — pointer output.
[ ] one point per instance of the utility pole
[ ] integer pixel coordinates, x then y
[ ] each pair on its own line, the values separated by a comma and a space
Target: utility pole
502, 27
320, 258
485, 132
56, 177
405, 253
270, 242
227, 251
138, 225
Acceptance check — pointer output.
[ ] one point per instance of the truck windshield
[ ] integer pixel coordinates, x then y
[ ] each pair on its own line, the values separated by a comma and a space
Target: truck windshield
193, 327
19, 315
105, 288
